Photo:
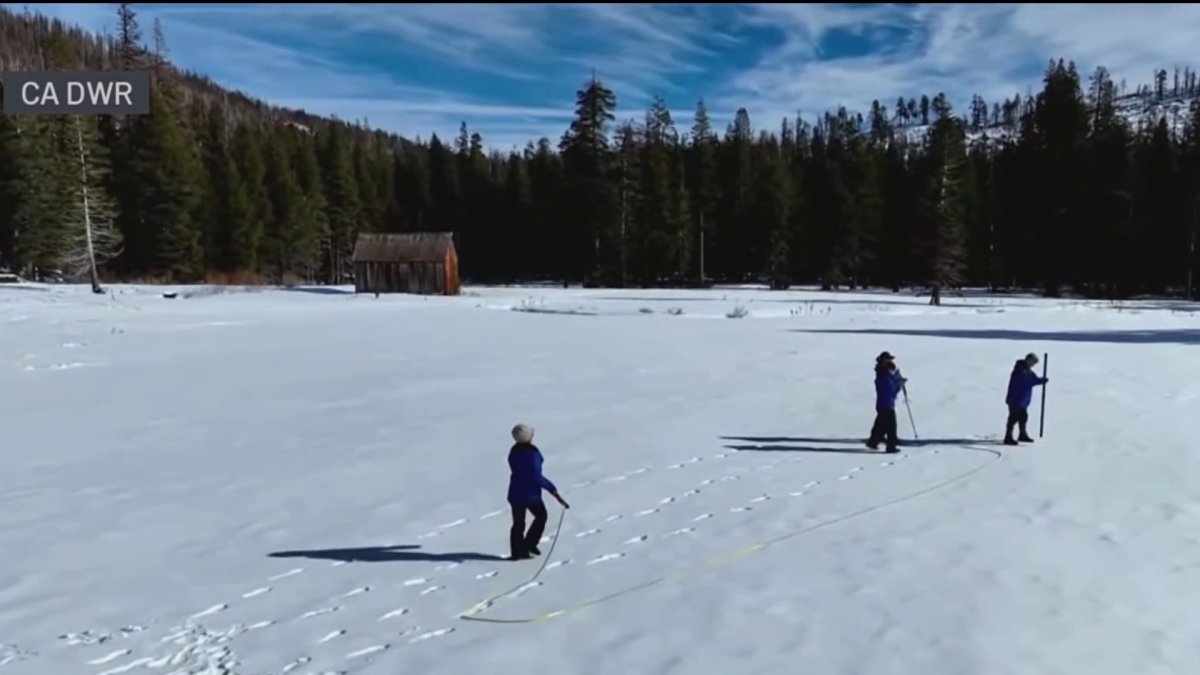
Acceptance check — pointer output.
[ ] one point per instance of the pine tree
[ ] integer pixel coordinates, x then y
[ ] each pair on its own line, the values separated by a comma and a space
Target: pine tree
587, 163
705, 193
944, 201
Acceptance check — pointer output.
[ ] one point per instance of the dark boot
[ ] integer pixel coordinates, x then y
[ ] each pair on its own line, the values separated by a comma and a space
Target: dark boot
1008, 439
1024, 438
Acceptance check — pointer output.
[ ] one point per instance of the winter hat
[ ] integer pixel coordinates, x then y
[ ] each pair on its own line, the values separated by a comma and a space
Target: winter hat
522, 433
1032, 358
884, 356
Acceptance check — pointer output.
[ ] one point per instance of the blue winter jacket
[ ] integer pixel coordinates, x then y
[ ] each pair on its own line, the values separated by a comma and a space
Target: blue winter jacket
1021, 384
526, 482
888, 385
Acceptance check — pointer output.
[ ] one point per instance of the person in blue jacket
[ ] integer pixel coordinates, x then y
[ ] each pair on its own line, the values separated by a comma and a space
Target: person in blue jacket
525, 485
888, 385
1020, 394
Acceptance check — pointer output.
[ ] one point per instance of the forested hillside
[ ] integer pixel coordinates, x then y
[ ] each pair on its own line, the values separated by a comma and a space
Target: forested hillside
1083, 186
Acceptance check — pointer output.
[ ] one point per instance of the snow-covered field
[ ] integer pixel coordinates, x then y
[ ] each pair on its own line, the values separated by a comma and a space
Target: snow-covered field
312, 481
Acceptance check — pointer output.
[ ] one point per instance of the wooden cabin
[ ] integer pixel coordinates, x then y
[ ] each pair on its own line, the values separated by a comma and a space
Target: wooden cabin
424, 263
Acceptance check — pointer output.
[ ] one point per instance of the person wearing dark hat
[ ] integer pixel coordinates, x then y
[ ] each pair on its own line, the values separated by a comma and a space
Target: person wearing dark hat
1020, 394
888, 385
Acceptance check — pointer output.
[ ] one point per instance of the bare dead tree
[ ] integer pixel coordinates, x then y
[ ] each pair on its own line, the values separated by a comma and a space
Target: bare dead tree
99, 240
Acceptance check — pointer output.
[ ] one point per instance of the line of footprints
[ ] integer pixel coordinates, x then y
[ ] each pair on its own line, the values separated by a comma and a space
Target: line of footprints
209, 651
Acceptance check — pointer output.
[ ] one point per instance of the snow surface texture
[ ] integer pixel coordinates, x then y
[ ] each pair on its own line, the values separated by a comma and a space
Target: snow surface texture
311, 482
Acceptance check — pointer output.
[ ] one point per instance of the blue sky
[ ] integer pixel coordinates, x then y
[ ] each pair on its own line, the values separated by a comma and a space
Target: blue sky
511, 71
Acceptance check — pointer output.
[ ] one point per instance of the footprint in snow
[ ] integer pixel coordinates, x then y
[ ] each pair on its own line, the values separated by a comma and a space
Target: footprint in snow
429, 535
612, 518
526, 588
338, 563
456, 523
431, 634
847, 477
886, 463
260, 624
486, 575
110, 657
702, 516
558, 563
289, 573
758, 500
646, 512
637, 472
319, 612
492, 514
335, 634
210, 611
739, 509
432, 589
799, 493
683, 530
357, 591
707, 481
691, 492
582, 484
726, 479
295, 664
373, 649
605, 558
637, 540
257, 592
394, 613
666, 500
447, 566
588, 533
415, 581
812, 483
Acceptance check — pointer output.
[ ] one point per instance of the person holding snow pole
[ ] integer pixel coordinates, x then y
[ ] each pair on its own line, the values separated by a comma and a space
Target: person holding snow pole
1020, 394
525, 485
888, 384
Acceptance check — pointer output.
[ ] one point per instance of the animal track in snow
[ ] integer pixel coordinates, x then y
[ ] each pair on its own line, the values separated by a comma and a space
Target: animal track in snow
707, 481
721, 455
417, 581
646, 512
260, 624
886, 463
431, 634
429, 535
702, 516
492, 514
111, 657
558, 563
456, 523
582, 484
613, 479
812, 483
726, 479
637, 472
682, 530
335, 634
447, 566
486, 575
799, 493
338, 563
691, 492
605, 558
588, 533
356, 591
613, 518
761, 499
394, 613
319, 612
666, 500
210, 611
373, 649
432, 589
637, 540
257, 592
739, 509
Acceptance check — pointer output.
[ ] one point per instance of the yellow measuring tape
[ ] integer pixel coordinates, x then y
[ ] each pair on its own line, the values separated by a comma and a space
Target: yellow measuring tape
473, 614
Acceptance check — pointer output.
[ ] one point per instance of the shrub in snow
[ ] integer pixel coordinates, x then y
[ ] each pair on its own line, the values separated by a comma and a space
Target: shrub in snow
646, 310
675, 311
737, 312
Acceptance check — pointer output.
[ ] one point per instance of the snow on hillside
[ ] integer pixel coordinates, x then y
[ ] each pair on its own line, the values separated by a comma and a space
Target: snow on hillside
1138, 111
310, 481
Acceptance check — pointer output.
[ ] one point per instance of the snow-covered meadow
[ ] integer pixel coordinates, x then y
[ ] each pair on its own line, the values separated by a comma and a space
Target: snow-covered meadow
312, 481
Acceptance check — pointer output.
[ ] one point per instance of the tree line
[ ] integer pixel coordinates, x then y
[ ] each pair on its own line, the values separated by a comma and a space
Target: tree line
1080, 187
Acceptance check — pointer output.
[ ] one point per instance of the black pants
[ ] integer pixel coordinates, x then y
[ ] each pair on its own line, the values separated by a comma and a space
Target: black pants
884, 428
521, 542
1017, 415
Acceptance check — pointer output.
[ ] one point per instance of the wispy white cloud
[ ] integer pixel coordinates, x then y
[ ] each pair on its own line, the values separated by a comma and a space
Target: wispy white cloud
511, 71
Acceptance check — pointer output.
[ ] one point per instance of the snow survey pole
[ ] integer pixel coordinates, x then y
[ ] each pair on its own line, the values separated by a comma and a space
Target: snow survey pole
1042, 418
904, 389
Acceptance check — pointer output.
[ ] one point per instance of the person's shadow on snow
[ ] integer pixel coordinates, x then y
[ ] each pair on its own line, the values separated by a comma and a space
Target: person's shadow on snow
789, 444
402, 553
